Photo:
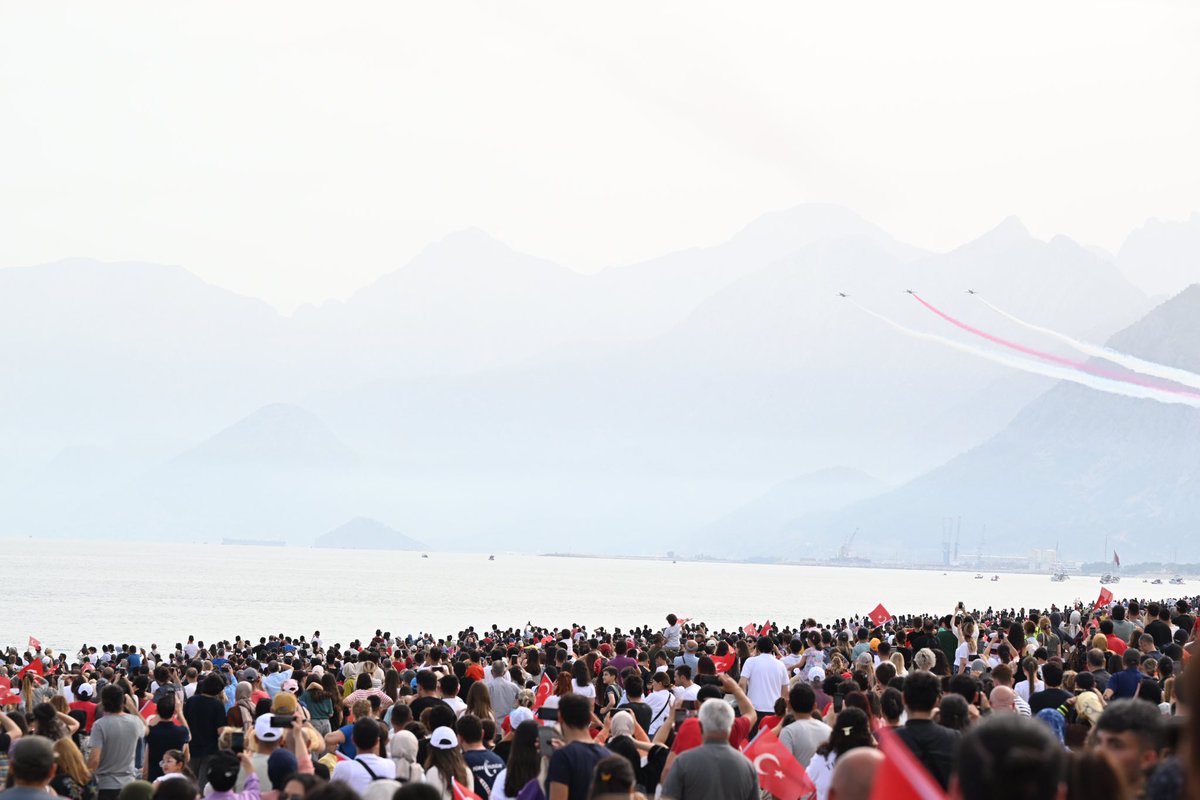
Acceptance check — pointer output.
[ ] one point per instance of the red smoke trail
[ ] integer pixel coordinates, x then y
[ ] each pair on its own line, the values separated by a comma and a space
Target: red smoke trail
1082, 366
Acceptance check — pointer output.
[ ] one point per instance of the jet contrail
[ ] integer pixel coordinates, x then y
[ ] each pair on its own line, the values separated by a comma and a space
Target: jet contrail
1045, 370
1082, 366
1134, 363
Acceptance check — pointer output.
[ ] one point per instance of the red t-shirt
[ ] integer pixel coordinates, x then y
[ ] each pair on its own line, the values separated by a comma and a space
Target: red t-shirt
87, 708
1116, 645
689, 734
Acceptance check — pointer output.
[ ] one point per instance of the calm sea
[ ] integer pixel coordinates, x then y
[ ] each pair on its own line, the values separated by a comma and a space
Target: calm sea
68, 593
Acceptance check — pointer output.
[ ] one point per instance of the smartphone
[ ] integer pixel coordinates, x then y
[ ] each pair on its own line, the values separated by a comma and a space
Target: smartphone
546, 736
680, 715
547, 714
238, 742
282, 720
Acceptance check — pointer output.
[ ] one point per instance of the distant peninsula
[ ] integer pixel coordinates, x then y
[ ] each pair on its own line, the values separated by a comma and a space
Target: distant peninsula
363, 533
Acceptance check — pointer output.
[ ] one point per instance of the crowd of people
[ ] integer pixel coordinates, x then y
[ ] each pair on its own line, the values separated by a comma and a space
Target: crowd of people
1075, 702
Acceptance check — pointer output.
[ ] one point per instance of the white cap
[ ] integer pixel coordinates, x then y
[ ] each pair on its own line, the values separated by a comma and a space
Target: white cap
263, 730
444, 738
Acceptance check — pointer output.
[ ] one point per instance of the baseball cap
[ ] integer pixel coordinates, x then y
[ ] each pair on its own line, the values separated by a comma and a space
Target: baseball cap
443, 738
519, 715
86, 690
248, 674
816, 674
263, 730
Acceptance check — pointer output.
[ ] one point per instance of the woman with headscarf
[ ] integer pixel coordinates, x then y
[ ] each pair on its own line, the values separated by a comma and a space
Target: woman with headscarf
242, 713
402, 748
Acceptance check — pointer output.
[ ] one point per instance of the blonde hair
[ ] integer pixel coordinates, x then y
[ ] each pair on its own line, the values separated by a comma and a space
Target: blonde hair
1100, 642
897, 660
70, 760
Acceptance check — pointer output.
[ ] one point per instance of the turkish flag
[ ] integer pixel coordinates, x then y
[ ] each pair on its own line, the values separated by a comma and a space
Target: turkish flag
901, 776
8, 695
750, 630
34, 643
544, 691
36, 666
778, 770
1106, 597
766, 628
880, 615
724, 663
463, 793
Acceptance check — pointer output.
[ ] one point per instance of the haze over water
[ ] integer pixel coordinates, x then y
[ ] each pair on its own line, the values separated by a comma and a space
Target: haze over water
122, 592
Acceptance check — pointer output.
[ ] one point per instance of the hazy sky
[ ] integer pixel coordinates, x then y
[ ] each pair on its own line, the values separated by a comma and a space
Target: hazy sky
294, 151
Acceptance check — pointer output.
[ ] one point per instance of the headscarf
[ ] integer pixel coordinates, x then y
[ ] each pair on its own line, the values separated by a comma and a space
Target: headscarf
622, 724
242, 699
402, 747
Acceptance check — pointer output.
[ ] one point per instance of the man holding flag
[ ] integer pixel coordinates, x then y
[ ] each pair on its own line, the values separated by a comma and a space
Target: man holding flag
714, 771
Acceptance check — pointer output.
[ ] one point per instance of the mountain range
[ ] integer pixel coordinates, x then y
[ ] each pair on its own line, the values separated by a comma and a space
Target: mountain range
477, 394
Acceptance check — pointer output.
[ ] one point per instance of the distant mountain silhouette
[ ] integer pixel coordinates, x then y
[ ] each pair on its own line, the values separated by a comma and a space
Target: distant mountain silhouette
279, 473
623, 411
1073, 467
362, 533
1163, 257
764, 520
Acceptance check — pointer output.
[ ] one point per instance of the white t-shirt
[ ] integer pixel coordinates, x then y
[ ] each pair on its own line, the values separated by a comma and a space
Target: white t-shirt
766, 679
191, 649
456, 704
962, 652
657, 700
587, 690
1022, 689
672, 635
683, 693
353, 773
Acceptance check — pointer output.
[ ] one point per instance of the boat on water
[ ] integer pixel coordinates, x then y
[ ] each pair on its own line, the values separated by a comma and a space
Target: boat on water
491, 558
1108, 577
1156, 582
978, 576
424, 555
1176, 581
995, 578
1058, 576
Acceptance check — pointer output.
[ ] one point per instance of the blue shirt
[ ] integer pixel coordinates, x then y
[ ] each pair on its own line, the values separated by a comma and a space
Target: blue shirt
273, 683
1125, 683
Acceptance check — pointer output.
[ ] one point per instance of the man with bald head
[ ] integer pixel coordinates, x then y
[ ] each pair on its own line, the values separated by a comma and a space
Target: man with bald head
1003, 700
854, 774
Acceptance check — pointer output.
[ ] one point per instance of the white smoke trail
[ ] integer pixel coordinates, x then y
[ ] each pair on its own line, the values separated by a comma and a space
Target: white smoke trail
1039, 368
1153, 368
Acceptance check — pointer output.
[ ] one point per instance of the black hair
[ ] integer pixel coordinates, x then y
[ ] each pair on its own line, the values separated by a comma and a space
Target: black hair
410, 791
802, 698
177, 789
612, 776
223, 770
427, 680
921, 691
469, 729
1008, 755
365, 733
634, 687
891, 703
112, 698
575, 710
1138, 716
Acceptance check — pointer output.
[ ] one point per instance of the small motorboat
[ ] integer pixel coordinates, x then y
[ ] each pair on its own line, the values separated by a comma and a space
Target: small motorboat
995, 578
491, 558
1176, 581
978, 576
